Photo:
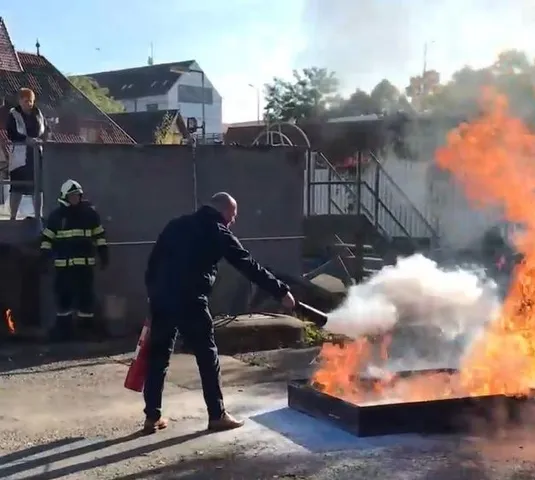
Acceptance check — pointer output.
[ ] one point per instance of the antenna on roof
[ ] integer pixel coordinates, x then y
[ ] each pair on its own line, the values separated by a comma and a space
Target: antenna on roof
151, 56
38, 46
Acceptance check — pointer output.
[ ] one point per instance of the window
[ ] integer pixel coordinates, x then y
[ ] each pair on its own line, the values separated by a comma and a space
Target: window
152, 107
190, 94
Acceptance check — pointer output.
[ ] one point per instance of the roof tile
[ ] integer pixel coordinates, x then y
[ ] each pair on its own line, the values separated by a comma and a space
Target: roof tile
141, 126
8, 56
57, 97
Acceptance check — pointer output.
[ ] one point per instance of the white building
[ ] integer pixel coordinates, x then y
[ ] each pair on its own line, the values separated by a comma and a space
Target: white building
167, 86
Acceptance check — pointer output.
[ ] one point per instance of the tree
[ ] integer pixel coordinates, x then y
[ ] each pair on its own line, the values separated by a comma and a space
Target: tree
164, 133
511, 74
309, 94
358, 103
384, 98
422, 87
97, 94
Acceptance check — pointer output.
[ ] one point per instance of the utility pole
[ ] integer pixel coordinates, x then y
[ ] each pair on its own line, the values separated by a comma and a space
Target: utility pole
151, 57
203, 106
257, 90
424, 74
203, 96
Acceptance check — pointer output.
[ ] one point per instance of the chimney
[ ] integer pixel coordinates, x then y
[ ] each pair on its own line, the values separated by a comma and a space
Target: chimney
9, 60
38, 46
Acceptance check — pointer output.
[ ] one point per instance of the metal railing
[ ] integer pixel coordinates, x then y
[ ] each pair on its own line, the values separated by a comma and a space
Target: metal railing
36, 184
398, 202
370, 190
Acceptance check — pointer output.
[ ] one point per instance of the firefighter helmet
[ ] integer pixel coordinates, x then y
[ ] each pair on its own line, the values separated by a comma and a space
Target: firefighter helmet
70, 186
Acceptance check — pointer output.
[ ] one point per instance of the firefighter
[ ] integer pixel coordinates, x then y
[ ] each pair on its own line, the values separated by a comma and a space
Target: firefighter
72, 236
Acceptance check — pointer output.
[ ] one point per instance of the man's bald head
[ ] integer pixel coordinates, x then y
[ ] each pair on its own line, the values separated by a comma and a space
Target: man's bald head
226, 205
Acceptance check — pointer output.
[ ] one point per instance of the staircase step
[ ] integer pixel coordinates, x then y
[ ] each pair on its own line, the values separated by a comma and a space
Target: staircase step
351, 246
373, 258
368, 272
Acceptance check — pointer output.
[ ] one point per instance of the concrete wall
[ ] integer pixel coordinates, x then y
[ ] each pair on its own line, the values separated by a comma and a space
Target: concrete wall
137, 189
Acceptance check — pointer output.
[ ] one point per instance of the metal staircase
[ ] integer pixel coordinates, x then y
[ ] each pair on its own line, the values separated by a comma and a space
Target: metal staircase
389, 222
367, 190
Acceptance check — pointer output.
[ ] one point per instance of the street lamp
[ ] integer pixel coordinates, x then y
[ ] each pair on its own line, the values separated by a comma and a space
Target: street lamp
194, 70
257, 102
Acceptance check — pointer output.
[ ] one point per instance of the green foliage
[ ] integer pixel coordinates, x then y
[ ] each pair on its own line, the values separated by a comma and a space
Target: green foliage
313, 92
307, 95
511, 74
314, 336
164, 134
97, 94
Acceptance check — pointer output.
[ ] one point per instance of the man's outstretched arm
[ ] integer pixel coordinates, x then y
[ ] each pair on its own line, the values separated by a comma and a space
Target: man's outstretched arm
241, 260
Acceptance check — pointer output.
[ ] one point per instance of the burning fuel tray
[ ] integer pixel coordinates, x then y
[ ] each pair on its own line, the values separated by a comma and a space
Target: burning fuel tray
425, 417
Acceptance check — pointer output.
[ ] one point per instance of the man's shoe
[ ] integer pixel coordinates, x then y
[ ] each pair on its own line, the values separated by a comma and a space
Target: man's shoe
226, 422
152, 426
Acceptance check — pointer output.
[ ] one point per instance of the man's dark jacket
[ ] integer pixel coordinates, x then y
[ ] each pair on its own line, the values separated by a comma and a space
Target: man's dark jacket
182, 267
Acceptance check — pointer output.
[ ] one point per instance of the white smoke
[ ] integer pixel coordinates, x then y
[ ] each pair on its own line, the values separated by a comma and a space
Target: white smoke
416, 292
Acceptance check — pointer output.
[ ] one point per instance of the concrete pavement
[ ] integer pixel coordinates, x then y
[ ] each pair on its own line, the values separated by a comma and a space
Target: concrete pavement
74, 420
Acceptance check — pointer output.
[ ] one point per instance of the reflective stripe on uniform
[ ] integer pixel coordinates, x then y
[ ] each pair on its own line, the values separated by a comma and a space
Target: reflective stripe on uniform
101, 242
64, 314
70, 262
85, 315
98, 231
49, 233
78, 232
46, 245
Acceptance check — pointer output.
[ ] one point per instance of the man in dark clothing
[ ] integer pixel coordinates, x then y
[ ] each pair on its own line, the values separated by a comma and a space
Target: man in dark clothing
73, 234
181, 272
26, 128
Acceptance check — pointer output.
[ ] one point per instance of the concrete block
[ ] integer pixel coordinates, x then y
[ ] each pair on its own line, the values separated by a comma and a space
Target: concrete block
247, 333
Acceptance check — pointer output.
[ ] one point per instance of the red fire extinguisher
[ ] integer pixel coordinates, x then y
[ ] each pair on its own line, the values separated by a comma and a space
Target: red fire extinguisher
135, 378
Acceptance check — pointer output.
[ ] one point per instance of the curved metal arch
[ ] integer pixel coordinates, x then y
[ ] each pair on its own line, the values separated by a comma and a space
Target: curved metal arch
270, 136
277, 129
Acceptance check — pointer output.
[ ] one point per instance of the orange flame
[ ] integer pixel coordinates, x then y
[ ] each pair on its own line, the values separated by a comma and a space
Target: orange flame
493, 157
9, 321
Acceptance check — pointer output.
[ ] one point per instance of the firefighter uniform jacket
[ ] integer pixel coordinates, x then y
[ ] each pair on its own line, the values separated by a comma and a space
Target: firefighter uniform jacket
74, 235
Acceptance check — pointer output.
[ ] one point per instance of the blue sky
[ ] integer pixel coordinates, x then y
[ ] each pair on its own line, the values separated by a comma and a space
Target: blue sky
241, 42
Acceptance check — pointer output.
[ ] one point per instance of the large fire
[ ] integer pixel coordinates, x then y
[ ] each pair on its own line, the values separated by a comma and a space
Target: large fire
493, 157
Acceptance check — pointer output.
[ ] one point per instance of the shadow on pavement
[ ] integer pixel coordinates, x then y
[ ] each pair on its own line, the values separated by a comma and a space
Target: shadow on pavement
36, 355
236, 467
102, 461
42, 459
36, 450
302, 466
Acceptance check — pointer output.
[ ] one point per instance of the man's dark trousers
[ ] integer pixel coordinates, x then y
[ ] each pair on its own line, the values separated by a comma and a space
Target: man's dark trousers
195, 326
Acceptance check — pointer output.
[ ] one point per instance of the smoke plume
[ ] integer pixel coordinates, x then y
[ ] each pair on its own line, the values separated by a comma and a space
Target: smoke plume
415, 292
369, 40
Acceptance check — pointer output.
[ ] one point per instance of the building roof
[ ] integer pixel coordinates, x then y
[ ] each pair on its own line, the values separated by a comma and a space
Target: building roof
144, 81
8, 57
141, 126
56, 96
